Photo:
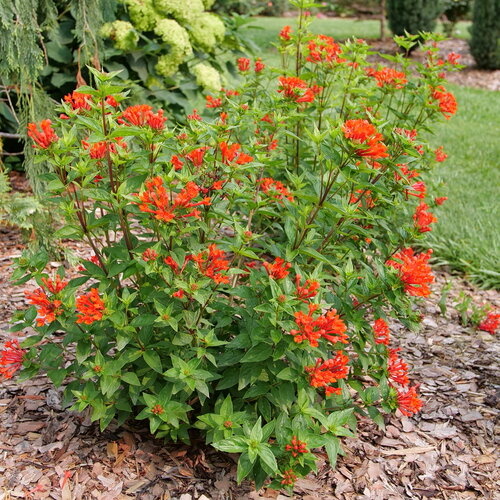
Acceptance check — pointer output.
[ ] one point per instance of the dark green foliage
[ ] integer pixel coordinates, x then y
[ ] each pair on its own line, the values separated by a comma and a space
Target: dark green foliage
412, 16
454, 11
485, 34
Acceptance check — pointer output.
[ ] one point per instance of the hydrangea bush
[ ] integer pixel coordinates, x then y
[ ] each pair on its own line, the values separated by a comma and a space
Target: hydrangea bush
245, 268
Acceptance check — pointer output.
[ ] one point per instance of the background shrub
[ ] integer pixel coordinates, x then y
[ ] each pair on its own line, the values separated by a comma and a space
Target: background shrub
485, 34
412, 16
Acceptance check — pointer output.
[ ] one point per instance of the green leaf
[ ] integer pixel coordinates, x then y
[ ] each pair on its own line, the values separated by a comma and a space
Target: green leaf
153, 360
131, 378
235, 444
267, 457
245, 466
259, 352
57, 376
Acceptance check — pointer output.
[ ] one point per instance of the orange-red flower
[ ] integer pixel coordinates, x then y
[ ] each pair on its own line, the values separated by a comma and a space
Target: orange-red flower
423, 218
440, 154
243, 64
440, 200
289, 478
54, 286
47, 309
414, 271
388, 77
196, 156
259, 65
365, 196
156, 200
296, 447
90, 306
43, 137
77, 100
212, 262
194, 116
328, 326
278, 269
308, 290
296, 89
381, 331
365, 136
149, 254
409, 403
11, 358
176, 162
397, 368
285, 33
212, 102
490, 323
329, 372
446, 100
324, 50
419, 190
141, 115
275, 189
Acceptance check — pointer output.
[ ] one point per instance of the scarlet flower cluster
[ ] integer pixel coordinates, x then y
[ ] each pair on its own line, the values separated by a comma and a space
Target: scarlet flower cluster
440, 154
194, 116
212, 262
388, 77
212, 102
289, 478
328, 326
410, 134
406, 173
307, 291
446, 100
156, 200
381, 331
47, 309
196, 156
419, 190
414, 271
157, 410
141, 115
11, 358
409, 403
324, 50
363, 133
176, 162
295, 89
232, 153
77, 100
43, 137
90, 306
490, 323
243, 64
278, 269
423, 218
440, 200
296, 447
56, 285
397, 368
329, 372
259, 65
285, 33
275, 189
365, 196
149, 254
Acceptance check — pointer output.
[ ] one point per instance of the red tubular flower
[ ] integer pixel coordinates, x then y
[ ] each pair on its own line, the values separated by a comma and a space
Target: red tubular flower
212, 262
388, 77
440, 154
275, 189
414, 271
381, 331
453, 58
11, 358
259, 65
137, 115
156, 120
232, 153
490, 323
47, 309
409, 403
90, 306
111, 101
54, 286
156, 200
285, 33
324, 50
278, 269
397, 368
172, 264
308, 290
406, 173
196, 156
423, 218
43, 137
149, 255
296, 89
179, 294
157, 410
78, 100
243, 64
289, 478
328, 372
296, 447
365, 196
194, 116
363, 133
328, 326
410, 134
176, 162
97, 151
446, 100
419, 189
440, 200
213, 102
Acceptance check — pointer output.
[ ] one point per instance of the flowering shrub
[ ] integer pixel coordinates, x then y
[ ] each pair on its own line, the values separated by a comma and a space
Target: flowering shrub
245, 268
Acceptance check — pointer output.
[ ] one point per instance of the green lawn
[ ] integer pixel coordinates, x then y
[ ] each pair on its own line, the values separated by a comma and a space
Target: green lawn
467, 237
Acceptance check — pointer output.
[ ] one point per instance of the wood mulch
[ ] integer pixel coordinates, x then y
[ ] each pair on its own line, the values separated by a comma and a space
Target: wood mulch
449, 451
